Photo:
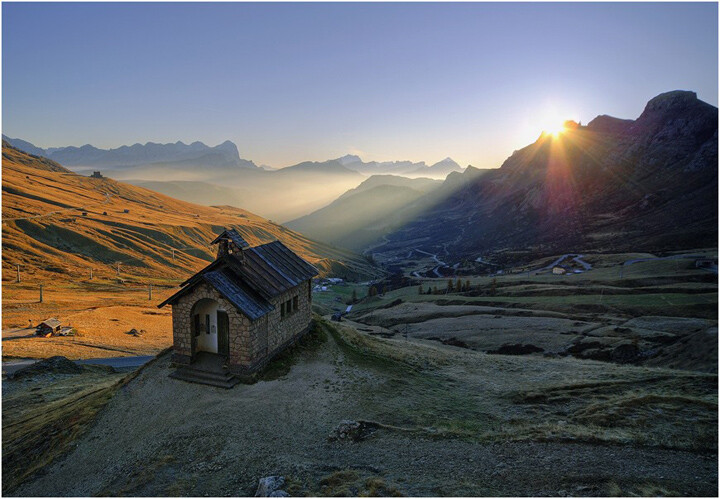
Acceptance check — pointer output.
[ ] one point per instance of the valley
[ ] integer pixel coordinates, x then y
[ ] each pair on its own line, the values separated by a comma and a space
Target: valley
99, 248
558, 313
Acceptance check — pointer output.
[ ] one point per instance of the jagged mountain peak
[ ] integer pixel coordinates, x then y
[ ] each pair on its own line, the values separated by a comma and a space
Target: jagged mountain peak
648, 184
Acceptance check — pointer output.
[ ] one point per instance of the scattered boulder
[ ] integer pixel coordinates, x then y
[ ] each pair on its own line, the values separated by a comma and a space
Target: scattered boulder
581, 346
450, 341
392, 304
271, 486
135, 332
625, 353
53, 365
516, 349
354, 431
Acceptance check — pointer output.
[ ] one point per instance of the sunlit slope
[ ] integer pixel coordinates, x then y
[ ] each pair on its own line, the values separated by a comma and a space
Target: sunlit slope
59, 225
363, 215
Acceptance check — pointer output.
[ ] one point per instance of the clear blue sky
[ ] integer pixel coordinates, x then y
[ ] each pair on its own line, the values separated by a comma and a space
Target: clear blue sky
293, 82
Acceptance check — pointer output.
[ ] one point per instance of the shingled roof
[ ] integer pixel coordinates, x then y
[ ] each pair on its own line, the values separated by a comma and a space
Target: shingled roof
234, 237
251, 279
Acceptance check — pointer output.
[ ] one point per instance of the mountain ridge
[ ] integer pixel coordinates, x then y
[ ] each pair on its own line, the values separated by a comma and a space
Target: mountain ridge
643, 184
57, 224
225, 154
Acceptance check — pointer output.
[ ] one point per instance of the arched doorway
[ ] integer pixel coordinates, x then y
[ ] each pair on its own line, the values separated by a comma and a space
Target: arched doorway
210, 327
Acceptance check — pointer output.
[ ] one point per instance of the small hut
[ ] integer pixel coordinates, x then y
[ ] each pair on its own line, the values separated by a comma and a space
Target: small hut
48, 327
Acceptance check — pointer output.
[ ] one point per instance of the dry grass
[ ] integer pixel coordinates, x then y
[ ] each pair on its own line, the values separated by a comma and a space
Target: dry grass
45, 231
473, 396
349, 483
42, 417
639, 490
102, 319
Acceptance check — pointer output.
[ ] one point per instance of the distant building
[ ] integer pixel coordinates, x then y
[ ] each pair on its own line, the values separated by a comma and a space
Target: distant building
241, 310
48, 327
96, 175
557, 270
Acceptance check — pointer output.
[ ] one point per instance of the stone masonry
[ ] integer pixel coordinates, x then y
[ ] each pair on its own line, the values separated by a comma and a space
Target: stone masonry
251, 343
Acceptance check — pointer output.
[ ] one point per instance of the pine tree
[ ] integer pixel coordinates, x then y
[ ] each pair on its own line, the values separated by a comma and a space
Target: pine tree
354, 296
420, 289
435, 290
467, 285
493, 286
450, 286
458, 284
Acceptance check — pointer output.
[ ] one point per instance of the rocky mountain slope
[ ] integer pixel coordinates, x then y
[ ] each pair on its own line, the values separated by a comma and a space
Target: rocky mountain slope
648, 184
58, 224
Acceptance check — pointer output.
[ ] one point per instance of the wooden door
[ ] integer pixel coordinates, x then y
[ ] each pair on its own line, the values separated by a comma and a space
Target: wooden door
223, 328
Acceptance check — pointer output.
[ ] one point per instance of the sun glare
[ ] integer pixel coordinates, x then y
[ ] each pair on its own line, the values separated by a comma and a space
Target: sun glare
555, 128
552, 122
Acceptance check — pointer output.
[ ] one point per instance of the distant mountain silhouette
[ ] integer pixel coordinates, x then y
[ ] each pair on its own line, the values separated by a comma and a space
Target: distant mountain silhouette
405, 168
648, 184
139, 155
362, 215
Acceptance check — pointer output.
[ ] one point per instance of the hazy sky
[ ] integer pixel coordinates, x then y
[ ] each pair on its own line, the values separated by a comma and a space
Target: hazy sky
293, 82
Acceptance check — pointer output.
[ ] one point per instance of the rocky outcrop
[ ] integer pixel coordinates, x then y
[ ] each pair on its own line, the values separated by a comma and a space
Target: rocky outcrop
271, 486
353, 431
516, 349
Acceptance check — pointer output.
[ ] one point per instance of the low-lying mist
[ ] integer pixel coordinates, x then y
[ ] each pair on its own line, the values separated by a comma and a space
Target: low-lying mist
280, 195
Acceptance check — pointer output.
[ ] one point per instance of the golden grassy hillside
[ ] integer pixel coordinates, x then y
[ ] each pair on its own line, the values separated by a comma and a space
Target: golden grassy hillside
58, 225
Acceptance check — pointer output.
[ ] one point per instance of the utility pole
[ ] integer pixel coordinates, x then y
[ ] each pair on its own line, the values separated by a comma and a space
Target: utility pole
149, 291
118, 269
41, 293
91, 276
18, 273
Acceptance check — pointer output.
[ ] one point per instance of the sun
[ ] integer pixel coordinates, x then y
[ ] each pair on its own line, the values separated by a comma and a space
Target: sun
552, 122
555, 128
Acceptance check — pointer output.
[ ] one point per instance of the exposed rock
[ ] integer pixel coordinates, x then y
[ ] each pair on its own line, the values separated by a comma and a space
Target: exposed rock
270, 485
53, 365
625, 353
520, 204
516, 349
355, 431
450, 341
279, 493
135, 332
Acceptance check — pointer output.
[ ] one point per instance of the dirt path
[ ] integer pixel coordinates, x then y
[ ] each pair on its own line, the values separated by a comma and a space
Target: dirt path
161, 436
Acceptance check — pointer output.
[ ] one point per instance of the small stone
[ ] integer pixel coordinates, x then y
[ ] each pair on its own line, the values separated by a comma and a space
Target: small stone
268, 485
